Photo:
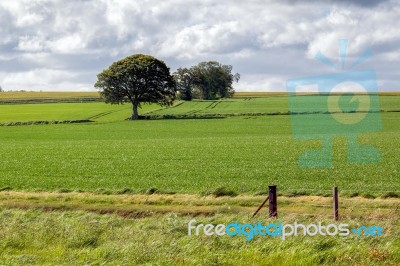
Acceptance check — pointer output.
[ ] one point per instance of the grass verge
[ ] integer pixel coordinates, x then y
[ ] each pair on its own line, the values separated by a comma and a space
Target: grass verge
89, 229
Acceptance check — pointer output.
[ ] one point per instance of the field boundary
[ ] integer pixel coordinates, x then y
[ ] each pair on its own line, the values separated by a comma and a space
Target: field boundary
45, 122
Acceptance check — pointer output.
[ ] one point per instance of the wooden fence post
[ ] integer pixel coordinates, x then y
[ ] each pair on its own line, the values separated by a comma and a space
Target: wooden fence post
273, 204
259, 208
335, 204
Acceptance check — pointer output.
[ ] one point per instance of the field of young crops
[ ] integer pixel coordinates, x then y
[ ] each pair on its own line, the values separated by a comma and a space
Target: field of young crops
243, 154
256, 105
48, 97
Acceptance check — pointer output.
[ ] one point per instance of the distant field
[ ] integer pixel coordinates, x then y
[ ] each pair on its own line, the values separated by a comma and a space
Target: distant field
275, 94
229, 106
26, 95
61, 95
258, 94
99, 111
48, 97
250, 105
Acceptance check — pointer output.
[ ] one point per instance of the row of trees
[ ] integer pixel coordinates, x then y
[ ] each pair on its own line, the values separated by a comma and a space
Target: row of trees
207, 80
144, 79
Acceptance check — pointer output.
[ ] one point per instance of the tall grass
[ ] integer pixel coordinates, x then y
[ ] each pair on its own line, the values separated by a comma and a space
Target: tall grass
79, 238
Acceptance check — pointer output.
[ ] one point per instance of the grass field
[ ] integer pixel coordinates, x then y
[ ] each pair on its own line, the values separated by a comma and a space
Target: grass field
256, 105
47, 97
243, 153
118, 192
29, 95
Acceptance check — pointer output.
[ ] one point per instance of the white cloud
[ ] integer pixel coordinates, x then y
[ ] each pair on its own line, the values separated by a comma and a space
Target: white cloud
42, 79
392, 56
244, 53
36, 76
363, 28
269, 41
262, 83
31, 44
67, 44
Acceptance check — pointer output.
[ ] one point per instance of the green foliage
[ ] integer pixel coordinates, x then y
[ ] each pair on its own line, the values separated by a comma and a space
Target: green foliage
138, 79
207, 80
214, 80
184, 83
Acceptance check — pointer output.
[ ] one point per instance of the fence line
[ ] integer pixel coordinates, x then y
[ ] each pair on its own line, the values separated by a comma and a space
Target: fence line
273, 204
329, 190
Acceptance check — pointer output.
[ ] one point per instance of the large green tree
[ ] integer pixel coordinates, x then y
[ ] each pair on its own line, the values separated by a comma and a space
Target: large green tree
207, 80
138, 79
184, 82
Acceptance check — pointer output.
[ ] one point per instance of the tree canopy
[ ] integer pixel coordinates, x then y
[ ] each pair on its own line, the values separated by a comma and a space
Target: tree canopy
207, 80
138, 79
184, 83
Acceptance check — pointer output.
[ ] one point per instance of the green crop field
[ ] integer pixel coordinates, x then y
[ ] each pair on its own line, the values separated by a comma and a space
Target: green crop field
29, 95
272, 104
243, 153
48, 97
117, 192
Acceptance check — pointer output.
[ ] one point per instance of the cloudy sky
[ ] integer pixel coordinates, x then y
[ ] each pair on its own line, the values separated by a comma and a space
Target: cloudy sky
63, 45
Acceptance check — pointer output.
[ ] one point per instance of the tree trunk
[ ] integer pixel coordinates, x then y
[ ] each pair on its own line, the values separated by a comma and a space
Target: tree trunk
135, 114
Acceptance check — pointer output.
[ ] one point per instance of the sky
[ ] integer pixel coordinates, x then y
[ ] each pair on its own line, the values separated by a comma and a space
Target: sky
62, 45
